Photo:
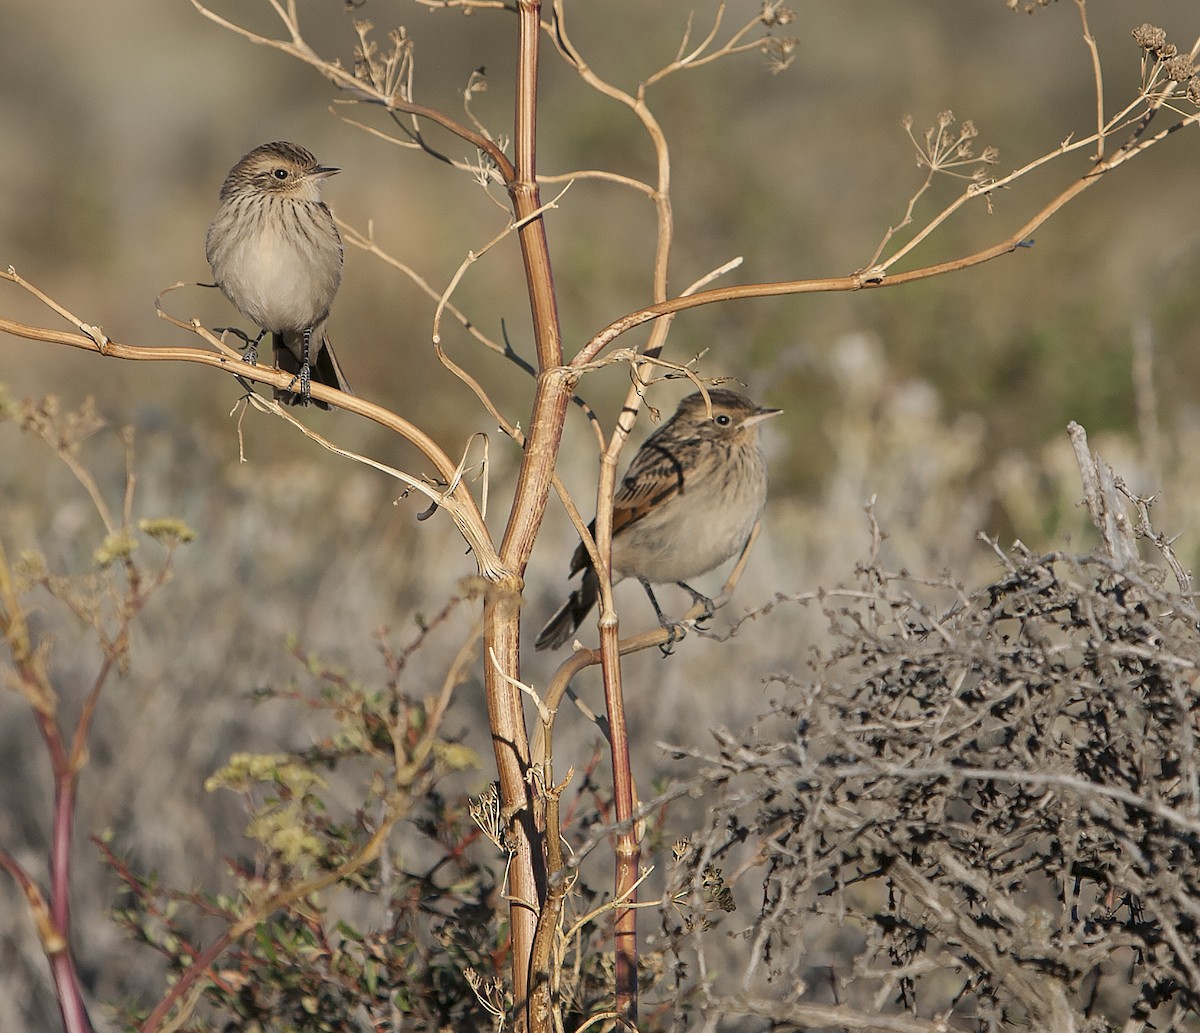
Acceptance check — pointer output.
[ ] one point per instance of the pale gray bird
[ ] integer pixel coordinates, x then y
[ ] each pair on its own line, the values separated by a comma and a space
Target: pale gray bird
688, 502
276, 254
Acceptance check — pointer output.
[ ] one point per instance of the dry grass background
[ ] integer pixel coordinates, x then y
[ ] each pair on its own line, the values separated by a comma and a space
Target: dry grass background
947, 400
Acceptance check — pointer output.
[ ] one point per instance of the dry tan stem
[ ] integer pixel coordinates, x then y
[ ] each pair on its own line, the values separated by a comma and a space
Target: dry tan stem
660, 193
474, 256
599, 1017
1103, 502
366, 241
905, 221
94, 332
873, 279
471, 5
442, 497
88, 482
413, 145
535, 479
583, 658
662, 188
193, 325
610, 905
545, 961
464, 510
296, 47
628, 850
1098, 74
698, 57
603, 176
1160, 541
1105, 129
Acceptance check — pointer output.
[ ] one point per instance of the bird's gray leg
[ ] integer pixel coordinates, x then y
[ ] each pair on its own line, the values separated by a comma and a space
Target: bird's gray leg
702, 599
675, 630
250, 352
305, 372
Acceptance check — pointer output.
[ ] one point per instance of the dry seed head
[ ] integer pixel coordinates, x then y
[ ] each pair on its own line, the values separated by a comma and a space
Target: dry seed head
780, 51
1150, 37
775, 13
1179, 69
1193, 89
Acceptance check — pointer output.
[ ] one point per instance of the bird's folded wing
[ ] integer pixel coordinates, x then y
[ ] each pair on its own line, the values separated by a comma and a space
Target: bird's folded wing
654, 477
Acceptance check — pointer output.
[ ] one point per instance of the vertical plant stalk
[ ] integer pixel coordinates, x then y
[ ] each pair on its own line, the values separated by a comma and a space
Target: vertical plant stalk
502, 608
543, 977
53, 918
629, 851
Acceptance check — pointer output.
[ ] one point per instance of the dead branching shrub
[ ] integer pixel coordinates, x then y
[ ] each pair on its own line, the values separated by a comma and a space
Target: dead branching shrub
981, 815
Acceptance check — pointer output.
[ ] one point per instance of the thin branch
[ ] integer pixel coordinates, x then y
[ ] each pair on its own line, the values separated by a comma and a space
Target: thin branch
876, 278
700, 55
366, 241
1098, 76
474, 256
583, 658
296, 47
464, 510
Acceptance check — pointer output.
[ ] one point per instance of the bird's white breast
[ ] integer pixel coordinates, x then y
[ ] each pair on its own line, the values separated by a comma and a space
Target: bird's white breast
281, 279
695, 531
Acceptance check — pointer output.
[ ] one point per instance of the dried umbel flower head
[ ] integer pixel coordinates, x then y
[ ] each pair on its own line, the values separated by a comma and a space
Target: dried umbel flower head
390, 72
775, 13
1153, 40
1150, 37
780, 51
945, 150
1179, 69
1193, 89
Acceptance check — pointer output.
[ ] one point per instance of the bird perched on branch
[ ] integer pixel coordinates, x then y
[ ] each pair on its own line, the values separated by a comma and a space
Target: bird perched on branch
688, 502
276, 254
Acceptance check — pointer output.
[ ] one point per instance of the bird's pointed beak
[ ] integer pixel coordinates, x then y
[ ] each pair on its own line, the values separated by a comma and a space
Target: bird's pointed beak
759, 415
325, 171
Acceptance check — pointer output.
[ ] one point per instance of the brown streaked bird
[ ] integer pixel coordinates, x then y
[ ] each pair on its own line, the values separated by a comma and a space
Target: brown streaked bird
276, 254
688, 502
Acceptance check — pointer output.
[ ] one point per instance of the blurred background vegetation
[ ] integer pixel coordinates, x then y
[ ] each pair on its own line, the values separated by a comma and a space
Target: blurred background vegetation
947, 399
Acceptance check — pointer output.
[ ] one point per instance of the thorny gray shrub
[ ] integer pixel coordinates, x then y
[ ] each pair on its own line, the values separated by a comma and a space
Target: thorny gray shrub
985, 814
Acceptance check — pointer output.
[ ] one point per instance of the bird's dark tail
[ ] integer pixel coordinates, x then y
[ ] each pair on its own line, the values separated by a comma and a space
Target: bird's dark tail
565, 623
323, 368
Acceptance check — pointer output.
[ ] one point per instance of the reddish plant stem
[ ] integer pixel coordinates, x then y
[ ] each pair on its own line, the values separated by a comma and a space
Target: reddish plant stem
628, 852
62, 961
502, 609
56, 940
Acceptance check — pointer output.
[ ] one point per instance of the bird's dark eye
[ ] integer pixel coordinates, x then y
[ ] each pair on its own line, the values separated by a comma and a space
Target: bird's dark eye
280, 173
722, 420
